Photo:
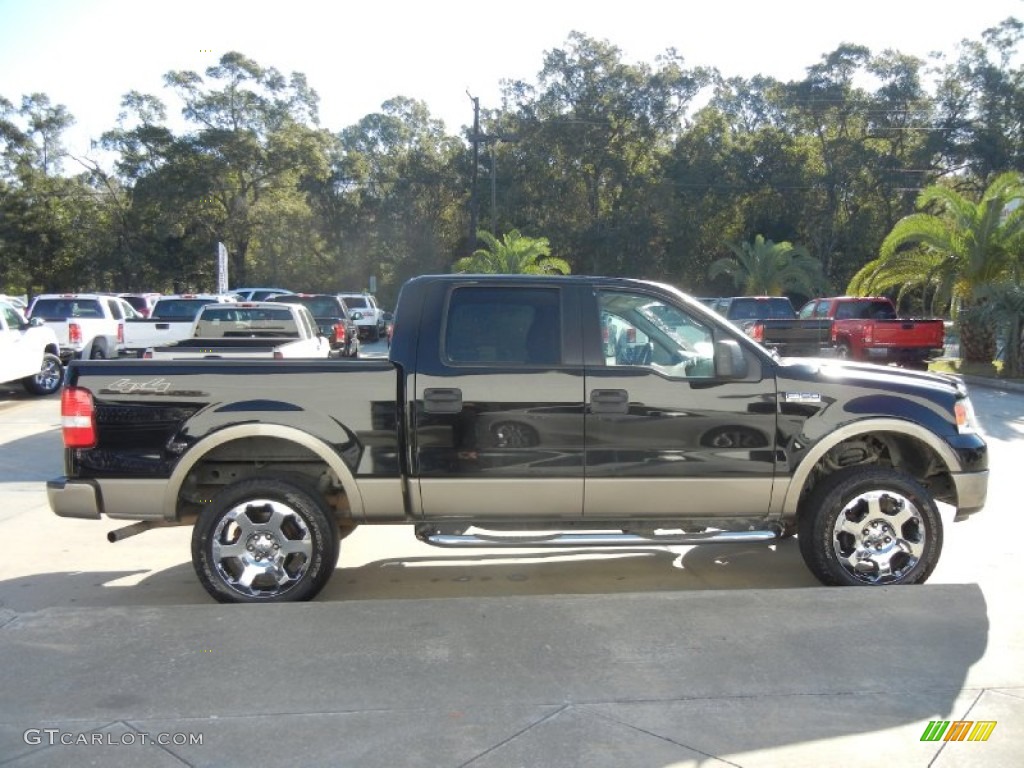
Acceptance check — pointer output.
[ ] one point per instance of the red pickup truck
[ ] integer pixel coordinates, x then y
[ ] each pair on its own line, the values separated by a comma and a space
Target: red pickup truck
868, 328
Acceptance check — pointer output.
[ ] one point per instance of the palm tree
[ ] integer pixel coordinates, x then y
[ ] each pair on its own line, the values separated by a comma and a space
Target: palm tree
951, 248
513, 254
767, 268
1003, 305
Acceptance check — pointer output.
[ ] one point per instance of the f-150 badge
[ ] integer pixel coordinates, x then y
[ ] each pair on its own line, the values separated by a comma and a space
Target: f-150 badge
802, 397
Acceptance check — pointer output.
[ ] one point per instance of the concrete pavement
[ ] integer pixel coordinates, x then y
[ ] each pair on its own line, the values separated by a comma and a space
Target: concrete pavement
415, 656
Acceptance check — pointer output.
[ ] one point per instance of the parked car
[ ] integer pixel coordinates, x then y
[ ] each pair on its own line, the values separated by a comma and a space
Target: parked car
371, 321
248, 330
335, 320
18, 302
170, 321
86, 324
29, 352
772, 321
141, 302
869, 328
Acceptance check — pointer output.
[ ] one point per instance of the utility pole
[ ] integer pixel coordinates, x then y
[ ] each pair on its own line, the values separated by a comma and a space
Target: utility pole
474, 201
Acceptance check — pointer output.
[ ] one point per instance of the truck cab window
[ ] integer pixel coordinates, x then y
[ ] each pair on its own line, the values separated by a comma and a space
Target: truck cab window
645, 331
499, 325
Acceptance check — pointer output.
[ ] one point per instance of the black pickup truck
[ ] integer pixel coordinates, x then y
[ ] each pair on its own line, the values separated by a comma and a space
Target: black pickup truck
772, 322
508, 416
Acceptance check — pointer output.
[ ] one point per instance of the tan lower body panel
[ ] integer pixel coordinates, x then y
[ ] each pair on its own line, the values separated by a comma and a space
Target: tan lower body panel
502, 499
677, 498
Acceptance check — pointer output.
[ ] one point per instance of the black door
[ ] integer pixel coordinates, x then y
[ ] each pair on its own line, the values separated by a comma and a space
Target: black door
664, 436
498, 418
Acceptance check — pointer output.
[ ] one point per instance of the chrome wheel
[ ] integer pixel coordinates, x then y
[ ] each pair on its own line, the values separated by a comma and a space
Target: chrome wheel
870, 526
261, 545
878, 537
49, 378
271, 539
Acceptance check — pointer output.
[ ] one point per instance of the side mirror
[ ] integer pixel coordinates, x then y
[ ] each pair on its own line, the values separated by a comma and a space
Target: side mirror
356, 315
730, 362
35, 322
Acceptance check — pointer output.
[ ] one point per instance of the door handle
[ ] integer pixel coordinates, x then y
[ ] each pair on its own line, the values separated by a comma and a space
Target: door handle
440, 400
609, 401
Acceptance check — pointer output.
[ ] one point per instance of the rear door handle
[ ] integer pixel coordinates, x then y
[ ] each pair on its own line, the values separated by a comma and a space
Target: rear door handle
440, 400
609, 401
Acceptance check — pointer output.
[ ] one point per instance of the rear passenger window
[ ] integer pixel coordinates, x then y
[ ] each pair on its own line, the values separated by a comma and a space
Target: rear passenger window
519, 326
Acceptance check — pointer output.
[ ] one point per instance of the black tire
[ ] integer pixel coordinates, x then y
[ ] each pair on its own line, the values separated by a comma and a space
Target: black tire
49, 378
354, 350
374, 334
870, 526
98, 351
843, 351
249, 525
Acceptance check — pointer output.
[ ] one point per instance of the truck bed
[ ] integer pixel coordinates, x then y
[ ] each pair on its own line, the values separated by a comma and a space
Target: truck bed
246, 344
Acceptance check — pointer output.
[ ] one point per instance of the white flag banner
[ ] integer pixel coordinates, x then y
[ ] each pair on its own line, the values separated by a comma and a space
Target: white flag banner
222, 268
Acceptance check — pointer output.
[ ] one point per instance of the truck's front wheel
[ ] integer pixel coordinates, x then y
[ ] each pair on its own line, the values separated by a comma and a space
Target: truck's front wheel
870, 526
265, 540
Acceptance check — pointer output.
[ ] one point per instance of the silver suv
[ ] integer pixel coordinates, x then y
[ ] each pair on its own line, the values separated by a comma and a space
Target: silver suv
371, 325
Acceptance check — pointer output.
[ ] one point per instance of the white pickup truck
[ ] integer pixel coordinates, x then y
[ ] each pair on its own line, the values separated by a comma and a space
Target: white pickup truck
248, 330
29, 352
87, 324
171, 320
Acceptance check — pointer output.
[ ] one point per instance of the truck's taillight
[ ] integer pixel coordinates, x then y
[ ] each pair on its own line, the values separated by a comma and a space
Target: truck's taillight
339, 333
77, 418
120, 333
756, 332
74, 333
869, 333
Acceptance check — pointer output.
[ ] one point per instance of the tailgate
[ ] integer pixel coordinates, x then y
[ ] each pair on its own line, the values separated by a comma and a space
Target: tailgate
908, 333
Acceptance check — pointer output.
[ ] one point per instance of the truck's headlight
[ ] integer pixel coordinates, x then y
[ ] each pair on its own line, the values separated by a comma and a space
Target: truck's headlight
965, 419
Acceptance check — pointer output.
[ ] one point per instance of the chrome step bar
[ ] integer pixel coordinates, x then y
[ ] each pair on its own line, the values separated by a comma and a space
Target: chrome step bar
467, 540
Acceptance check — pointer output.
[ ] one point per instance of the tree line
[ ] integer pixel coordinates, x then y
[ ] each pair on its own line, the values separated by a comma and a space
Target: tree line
656, 170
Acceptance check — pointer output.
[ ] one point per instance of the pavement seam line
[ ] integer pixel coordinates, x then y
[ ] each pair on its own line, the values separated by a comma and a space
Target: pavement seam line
178, 758
962, 717
660, 737
516, 735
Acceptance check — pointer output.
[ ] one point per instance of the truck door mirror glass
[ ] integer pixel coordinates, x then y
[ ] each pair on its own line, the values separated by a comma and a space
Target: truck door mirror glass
730, 362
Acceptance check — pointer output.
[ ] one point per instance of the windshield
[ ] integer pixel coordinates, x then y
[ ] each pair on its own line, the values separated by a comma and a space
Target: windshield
62, 309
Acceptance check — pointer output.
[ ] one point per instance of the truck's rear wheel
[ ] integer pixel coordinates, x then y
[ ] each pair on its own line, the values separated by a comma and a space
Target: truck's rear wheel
870, 526
48, 380
265, 540
843, 351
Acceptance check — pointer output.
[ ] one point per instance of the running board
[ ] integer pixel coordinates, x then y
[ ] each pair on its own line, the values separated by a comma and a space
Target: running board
465, 540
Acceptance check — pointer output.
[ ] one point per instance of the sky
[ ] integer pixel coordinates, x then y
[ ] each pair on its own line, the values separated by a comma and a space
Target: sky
357, 55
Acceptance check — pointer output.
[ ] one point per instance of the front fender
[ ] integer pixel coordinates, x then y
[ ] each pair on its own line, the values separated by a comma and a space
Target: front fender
789, 494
